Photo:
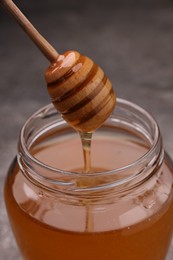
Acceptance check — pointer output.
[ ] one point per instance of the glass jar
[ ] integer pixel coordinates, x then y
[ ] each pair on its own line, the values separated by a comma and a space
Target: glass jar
121, 210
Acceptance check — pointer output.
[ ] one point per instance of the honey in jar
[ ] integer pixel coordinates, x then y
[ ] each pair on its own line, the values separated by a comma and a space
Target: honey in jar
122, 209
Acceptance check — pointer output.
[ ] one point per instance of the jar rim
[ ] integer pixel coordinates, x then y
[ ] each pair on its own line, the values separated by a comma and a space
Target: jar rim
120, 102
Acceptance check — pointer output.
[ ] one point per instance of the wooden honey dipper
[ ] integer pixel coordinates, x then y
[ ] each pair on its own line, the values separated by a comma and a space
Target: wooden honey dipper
78, 87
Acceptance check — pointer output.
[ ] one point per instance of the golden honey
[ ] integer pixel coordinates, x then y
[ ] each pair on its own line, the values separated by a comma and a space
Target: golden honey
121, 210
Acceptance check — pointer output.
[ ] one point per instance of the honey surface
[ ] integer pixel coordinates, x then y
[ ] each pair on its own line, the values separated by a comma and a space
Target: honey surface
130, 228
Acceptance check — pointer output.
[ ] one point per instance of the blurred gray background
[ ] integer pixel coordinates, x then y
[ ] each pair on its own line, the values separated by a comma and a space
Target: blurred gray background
132, 40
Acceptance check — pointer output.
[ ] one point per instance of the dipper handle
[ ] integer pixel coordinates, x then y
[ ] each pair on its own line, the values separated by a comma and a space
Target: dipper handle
78, 87
49, 52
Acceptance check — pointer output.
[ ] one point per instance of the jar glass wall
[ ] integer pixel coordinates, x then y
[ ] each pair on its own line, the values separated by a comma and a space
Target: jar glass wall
121, 210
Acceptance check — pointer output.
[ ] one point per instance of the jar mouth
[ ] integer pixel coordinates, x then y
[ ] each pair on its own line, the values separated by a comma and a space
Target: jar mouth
133, 116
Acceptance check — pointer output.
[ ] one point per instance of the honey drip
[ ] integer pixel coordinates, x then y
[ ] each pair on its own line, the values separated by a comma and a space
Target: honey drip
86, 138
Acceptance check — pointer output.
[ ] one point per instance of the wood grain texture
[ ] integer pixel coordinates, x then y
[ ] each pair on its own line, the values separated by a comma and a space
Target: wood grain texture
80, 91
45, 47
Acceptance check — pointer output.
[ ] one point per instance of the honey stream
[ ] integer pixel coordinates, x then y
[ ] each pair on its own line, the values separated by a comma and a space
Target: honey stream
86, 138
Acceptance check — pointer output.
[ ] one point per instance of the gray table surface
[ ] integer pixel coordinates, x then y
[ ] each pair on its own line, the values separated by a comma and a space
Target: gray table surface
132, 43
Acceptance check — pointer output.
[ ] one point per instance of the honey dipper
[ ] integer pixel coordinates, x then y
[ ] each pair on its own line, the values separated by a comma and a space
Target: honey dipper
78, 87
